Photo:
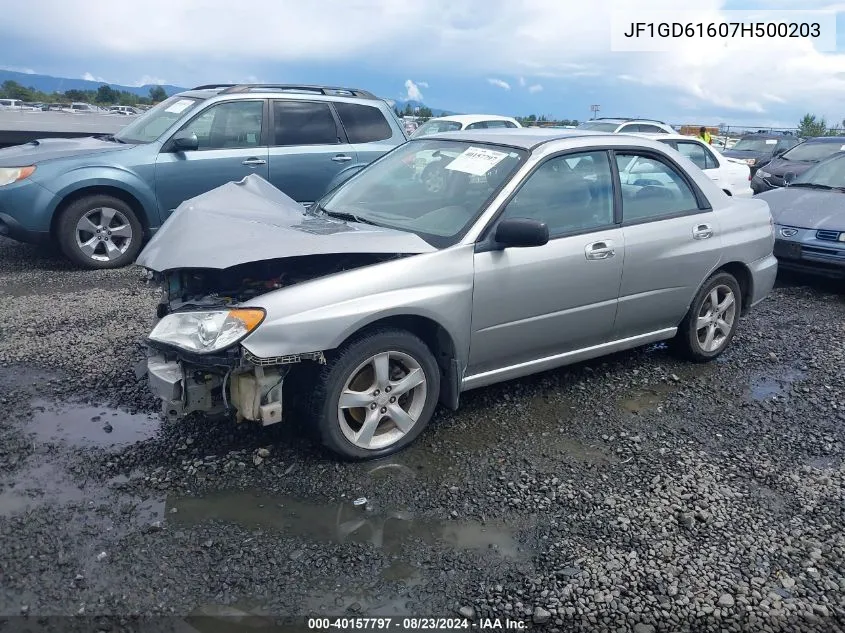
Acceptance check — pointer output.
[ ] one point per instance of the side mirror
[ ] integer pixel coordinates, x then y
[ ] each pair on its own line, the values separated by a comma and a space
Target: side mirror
521, 232
788, 177
185, 142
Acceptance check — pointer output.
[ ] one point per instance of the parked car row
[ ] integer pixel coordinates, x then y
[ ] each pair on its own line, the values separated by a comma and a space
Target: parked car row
315, 261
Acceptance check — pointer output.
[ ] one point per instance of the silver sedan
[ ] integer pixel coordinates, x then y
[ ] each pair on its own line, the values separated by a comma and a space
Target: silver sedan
391, 295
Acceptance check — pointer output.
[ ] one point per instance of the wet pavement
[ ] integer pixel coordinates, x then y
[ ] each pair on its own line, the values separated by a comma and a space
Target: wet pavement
634, 492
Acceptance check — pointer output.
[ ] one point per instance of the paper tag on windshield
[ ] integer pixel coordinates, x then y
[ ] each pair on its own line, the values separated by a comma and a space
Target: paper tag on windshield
179, 106
477, 161
771, 141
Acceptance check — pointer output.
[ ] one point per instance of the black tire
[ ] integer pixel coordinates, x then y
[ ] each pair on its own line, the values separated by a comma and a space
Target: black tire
66, 232
323, 403
687, 343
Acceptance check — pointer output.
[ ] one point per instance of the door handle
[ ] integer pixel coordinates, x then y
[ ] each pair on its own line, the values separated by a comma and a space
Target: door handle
254, 162
600, 250
702, 232
341, 158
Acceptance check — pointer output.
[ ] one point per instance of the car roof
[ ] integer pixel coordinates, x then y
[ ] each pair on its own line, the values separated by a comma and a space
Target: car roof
767, 135
826, 139
520, 138
472, 118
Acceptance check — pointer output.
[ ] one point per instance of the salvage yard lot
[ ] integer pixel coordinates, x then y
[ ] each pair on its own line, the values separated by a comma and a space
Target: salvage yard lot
633, 492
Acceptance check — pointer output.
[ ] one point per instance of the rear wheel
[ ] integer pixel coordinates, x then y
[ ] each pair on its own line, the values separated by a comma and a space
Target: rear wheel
99, 231
710, 324
376, 395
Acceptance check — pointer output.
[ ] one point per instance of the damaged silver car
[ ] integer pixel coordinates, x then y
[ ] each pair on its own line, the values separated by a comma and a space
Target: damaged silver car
391, 295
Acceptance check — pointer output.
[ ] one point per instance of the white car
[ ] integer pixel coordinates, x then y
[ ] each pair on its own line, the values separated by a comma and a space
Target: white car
626, 126
731, 174
458, 122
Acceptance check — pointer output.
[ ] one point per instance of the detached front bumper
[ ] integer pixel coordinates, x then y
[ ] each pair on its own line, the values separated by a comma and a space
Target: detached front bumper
183, 389
188, 385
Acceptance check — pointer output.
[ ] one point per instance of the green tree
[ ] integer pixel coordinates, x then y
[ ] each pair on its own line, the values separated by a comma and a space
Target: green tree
105, 94
13, 90
157, 93
809, 126
424, 112
408, 111
76, 95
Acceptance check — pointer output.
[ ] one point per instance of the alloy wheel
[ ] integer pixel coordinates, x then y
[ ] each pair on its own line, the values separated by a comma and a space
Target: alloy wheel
103, 234
715, 319
382, 400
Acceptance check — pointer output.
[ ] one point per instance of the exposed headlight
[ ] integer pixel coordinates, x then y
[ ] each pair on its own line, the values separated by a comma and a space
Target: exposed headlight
842, 237
8, 175
204, 332
763, 174
751, 161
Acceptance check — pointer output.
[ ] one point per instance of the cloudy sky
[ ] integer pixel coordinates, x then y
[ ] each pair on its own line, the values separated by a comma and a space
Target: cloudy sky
548, 57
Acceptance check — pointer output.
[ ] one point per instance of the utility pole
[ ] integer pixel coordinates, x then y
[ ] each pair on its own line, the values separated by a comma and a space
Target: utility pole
594, 109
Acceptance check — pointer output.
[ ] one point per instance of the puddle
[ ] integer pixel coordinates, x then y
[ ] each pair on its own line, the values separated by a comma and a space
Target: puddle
230, 619
343, 522
21, 377
88, 426
648, 399
46, 483
765, 385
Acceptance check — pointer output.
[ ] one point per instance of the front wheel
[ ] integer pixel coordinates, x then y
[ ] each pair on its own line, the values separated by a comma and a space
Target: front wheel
99, 231
711, 322
376, 395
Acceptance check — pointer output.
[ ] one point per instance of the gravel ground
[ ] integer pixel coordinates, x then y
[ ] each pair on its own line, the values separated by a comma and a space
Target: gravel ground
632, 493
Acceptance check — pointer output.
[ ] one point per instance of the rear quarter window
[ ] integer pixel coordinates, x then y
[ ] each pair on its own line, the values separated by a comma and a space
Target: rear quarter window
363, 123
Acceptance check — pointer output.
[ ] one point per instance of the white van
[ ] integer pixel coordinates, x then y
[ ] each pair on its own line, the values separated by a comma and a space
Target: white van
11, 104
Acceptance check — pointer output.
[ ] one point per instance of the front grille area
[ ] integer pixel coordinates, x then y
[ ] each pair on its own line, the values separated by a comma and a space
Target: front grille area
827, 236
826, 252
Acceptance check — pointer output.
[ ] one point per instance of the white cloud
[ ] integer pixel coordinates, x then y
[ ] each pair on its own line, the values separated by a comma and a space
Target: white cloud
535, 88
540, 39
90, 77
412, 91
422, 84
148, 80
504, 85
17, 69
522, 81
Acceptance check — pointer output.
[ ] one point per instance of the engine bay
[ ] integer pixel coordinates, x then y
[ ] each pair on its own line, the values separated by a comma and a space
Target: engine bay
208, 288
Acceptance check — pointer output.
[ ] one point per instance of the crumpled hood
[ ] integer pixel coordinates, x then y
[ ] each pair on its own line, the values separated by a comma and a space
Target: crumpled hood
44, 149
807, 208
250, 220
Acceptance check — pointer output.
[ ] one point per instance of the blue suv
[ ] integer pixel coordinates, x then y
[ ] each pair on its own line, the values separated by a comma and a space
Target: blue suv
100, 198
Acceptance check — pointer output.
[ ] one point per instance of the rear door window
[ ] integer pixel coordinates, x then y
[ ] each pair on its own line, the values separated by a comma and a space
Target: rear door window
304, 123
363, 123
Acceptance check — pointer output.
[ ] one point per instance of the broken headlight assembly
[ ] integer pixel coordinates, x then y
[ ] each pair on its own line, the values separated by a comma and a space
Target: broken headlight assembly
203, 332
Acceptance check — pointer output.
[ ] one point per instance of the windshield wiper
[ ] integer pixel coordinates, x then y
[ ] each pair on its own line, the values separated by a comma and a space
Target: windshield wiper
814, 185
340, 215
112, 138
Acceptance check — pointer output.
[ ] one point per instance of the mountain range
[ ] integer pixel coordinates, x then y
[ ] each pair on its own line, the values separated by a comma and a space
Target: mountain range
47, 83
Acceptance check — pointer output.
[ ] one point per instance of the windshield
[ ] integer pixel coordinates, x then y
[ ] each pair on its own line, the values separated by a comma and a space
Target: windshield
830, 173
156, 121
814, 152
598, 126
436, 126
434, 188
756, 145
